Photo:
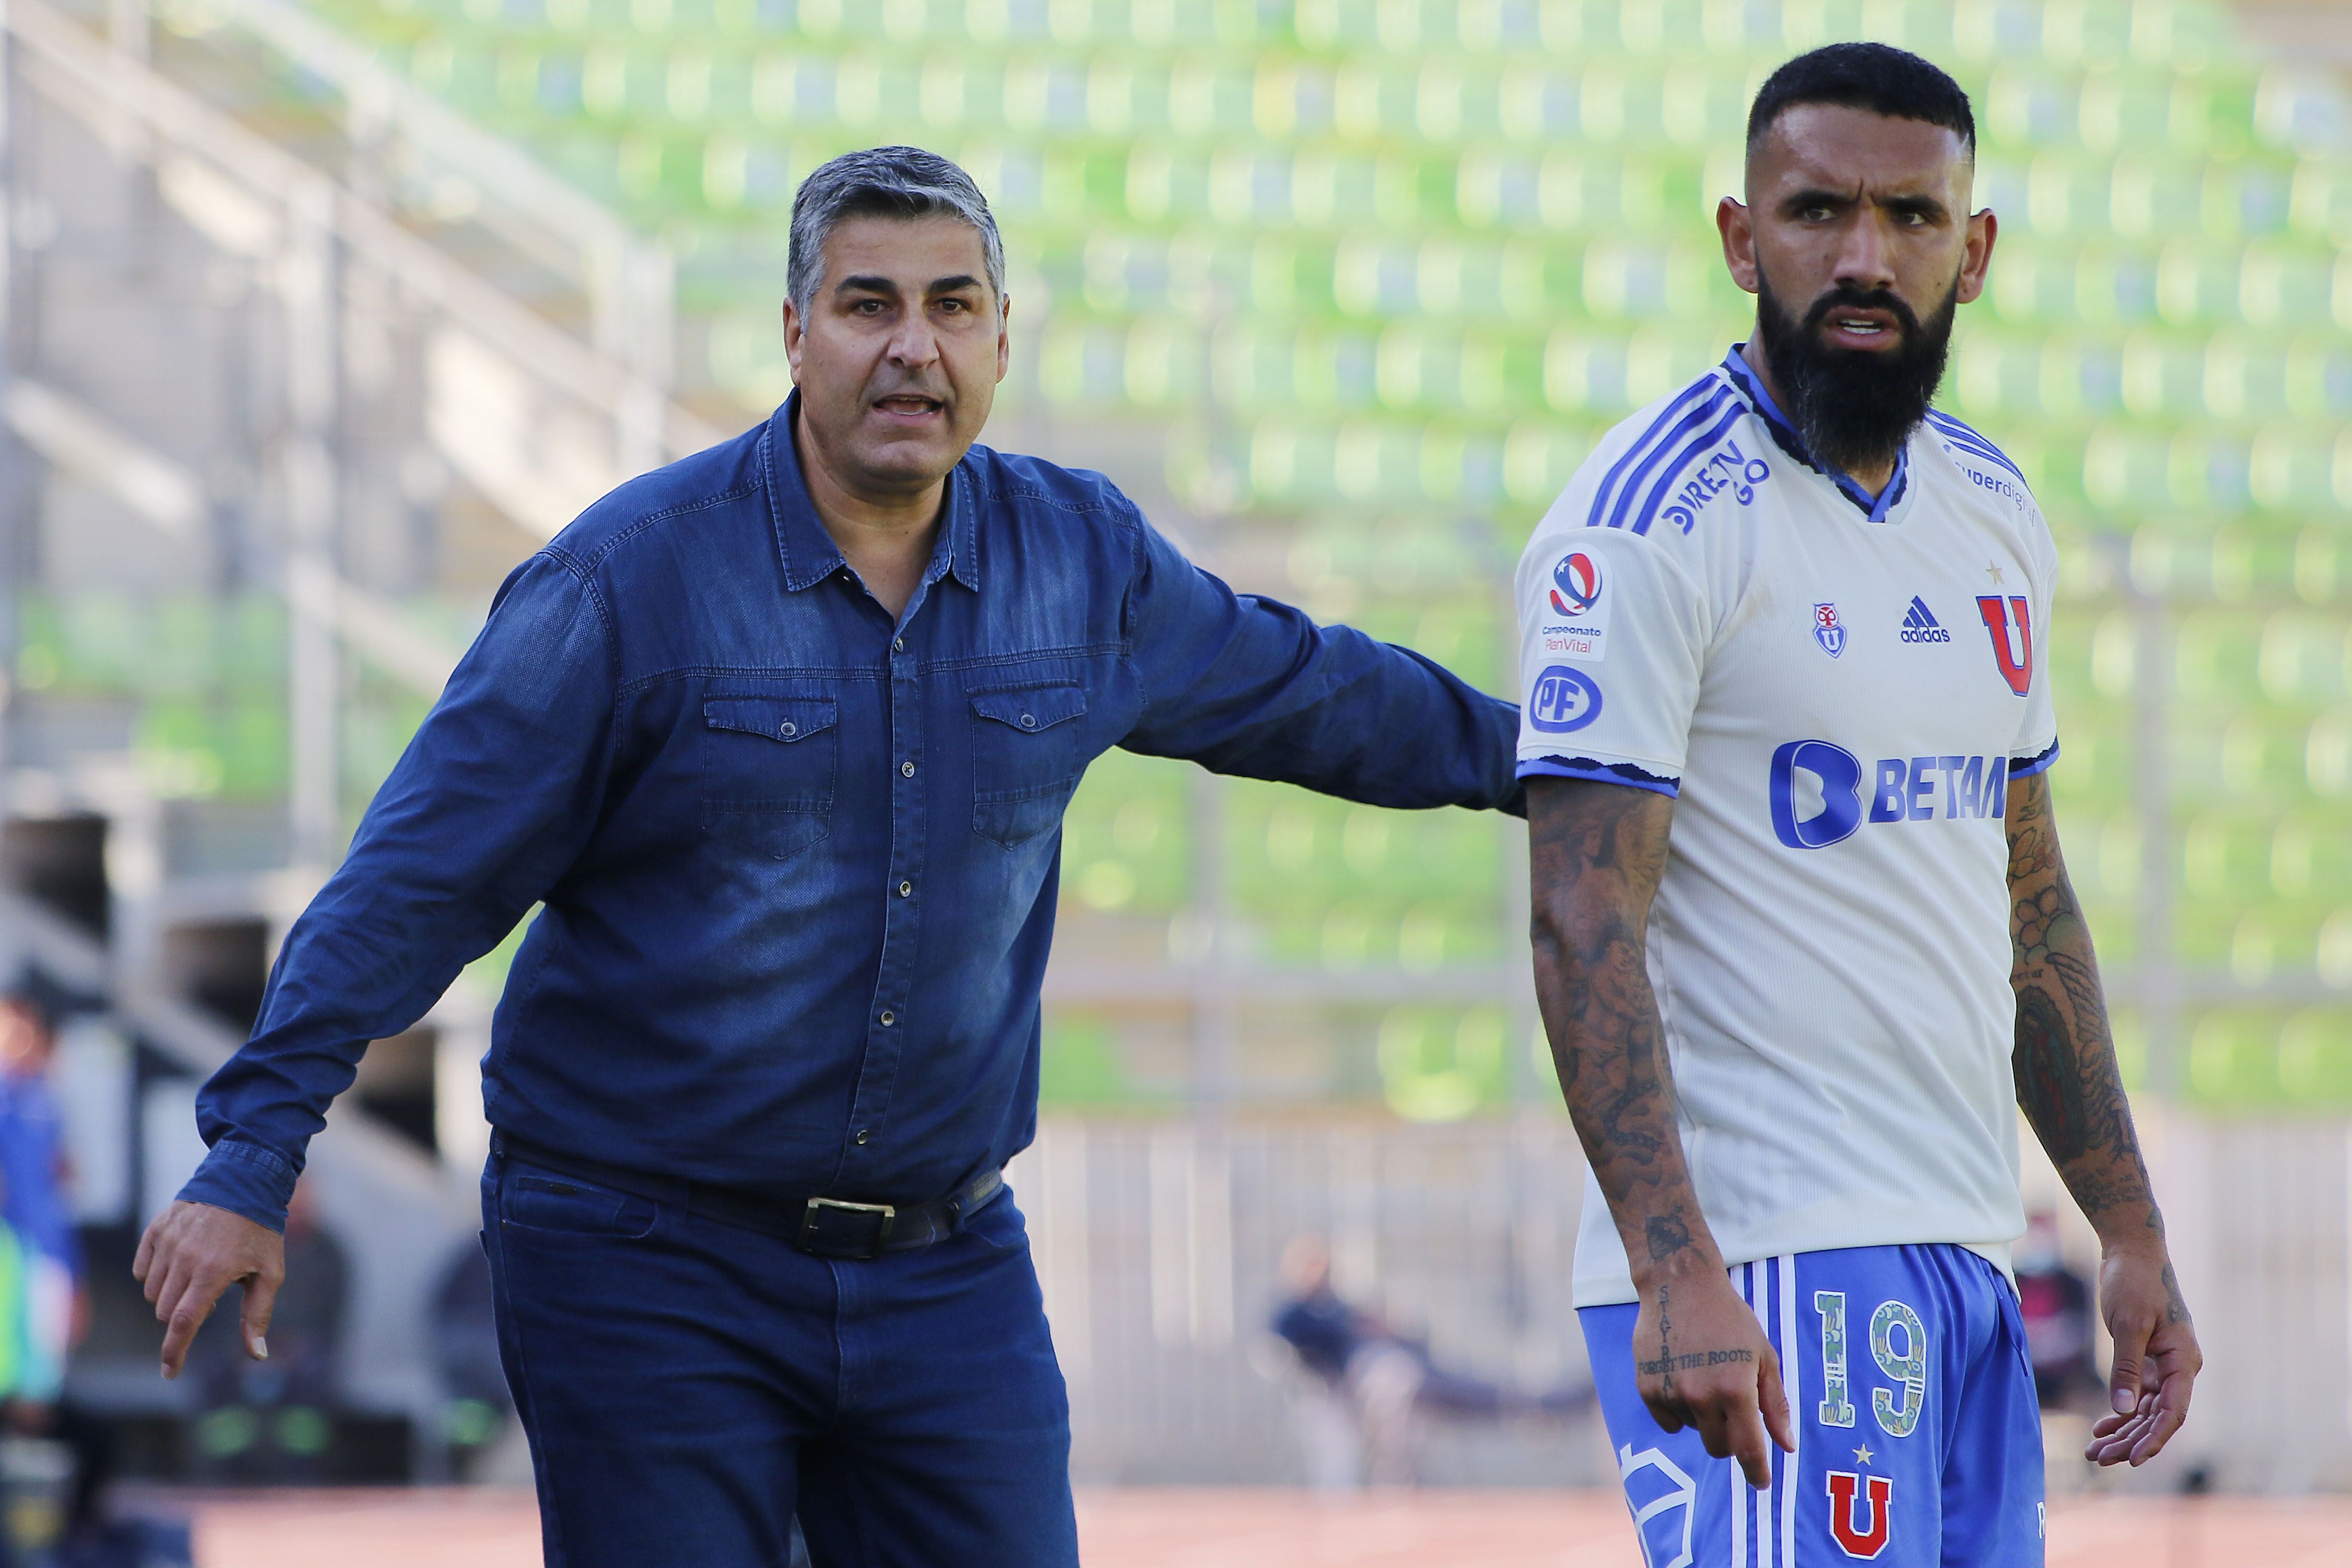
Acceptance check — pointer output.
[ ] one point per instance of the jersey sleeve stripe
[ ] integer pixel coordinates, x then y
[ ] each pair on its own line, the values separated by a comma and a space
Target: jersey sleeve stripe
1599, 772
1968, 441
1683, 427
1647, 513
1634, 454
1652, 447
2026, 767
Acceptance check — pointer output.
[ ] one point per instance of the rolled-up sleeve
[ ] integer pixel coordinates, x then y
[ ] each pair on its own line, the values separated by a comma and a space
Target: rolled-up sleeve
490, 806
1250, 686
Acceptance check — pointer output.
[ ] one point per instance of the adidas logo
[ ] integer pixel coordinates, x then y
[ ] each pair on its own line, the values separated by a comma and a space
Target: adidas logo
1919, 623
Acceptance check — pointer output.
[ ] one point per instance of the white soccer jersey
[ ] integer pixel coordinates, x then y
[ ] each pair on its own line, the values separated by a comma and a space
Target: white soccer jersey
1837, 693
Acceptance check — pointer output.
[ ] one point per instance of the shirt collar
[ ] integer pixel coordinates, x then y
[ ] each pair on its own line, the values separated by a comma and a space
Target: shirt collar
1878, 507
808, 553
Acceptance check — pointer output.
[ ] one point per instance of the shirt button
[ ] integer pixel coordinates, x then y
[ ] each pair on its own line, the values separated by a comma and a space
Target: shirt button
788, 730
908, 769
898, 645
861, 1134
1028, 720
888, 1019
905, 890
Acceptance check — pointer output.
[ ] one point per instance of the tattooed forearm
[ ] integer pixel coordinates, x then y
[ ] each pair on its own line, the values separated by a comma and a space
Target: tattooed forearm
2068, 1082
1599, 850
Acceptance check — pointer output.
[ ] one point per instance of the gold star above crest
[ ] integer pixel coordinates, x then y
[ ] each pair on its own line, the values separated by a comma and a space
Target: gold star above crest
1992, 571
1861, 1455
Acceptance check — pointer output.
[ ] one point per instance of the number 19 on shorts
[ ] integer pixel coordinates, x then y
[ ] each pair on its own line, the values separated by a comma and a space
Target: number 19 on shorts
1862, 1505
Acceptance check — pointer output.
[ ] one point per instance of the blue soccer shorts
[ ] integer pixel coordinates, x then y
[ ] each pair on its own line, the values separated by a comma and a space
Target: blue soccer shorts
1918, 1440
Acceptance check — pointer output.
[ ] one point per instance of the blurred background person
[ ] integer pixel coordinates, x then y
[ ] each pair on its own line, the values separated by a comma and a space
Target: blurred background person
2055, 1303
1367, 1389
477, 1409
273, 1421
32, 1165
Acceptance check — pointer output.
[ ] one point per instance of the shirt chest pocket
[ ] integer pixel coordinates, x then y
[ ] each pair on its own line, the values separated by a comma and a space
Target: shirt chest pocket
1028, 749
768, 766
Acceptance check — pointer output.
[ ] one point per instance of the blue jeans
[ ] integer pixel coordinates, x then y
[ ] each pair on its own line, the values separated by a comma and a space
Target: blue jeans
688, 1386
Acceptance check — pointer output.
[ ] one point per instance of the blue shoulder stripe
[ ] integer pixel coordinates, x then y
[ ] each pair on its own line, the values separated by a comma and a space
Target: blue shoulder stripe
1705, 386
1968, 441
1652, 503
1692, 420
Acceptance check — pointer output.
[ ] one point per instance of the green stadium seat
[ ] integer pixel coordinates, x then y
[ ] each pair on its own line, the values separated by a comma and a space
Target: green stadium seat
2125, 108
1291, 463
2315, 1057
2233, 1059
1442, 1064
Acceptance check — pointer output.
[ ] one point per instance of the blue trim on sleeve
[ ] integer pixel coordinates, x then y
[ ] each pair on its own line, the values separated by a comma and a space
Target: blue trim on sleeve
244, 1179
2026, 767
1601, 773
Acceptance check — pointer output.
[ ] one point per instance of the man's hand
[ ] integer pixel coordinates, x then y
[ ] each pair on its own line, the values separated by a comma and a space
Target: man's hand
190, 1254
1701, 1360
2157, 1358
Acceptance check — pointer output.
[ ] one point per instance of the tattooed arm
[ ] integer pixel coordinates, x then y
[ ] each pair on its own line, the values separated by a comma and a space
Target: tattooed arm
1700, 1356
2070, 1089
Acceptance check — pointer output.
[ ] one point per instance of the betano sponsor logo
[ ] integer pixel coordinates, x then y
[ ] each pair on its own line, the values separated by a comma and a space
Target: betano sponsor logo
1819, 798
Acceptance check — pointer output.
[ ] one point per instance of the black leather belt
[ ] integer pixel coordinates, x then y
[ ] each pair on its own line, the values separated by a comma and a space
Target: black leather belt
824, 1227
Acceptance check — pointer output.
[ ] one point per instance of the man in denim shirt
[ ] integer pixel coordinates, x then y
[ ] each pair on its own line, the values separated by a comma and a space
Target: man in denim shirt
781, 737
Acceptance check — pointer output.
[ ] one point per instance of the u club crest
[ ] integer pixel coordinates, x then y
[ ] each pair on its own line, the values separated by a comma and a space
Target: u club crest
1827, 630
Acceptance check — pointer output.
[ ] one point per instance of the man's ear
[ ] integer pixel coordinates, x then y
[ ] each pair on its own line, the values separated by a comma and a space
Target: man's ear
1003, 337
1738, 227
1976, 265
792, 335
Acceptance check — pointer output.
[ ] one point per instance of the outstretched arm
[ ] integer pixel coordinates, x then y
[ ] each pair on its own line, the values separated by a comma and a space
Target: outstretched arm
2073, 1092
1700, 1355
1251, 687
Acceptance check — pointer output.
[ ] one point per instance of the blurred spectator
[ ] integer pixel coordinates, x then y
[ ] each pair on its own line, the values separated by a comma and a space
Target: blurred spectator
1369, 1389
2055, 1303
32, 1169
273, 1421
474, 1403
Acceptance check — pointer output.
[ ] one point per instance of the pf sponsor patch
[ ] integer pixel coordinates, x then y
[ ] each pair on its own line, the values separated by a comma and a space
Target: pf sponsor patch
1563, 700
1575, 612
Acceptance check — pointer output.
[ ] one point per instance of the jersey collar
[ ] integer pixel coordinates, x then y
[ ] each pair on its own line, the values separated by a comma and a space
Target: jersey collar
1877, 509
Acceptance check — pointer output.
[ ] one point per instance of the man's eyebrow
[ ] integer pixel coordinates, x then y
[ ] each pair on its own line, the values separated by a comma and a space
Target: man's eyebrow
1823, 197
865, 283
954, 285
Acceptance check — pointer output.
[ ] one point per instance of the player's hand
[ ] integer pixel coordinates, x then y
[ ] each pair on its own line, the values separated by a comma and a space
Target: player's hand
190, 1254
1700, 1359
2157, 1358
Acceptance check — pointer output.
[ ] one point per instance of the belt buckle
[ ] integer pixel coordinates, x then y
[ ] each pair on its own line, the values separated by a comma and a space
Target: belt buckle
886, 1214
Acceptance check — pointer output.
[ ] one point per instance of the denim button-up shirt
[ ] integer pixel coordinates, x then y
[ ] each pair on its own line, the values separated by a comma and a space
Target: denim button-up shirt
797, 863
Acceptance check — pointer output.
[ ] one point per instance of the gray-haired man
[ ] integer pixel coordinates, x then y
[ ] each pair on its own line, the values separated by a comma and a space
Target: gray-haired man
780, 735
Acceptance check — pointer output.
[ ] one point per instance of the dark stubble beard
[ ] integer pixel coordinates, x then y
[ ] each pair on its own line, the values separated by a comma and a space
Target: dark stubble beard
1855, 409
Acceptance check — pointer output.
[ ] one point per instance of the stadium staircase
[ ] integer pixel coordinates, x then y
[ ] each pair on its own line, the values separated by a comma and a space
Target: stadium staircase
295, 374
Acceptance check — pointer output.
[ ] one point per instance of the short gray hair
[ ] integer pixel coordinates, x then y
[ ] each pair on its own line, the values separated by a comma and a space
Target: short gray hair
883, 182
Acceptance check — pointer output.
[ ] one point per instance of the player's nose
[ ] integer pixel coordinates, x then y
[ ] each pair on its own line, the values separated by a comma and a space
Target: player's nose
1866, 260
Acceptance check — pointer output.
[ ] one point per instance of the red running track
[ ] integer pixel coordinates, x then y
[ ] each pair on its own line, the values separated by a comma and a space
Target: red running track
1242, 1528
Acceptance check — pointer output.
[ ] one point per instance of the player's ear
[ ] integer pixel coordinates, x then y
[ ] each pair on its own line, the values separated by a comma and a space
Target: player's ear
1976, 264
1738, 227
